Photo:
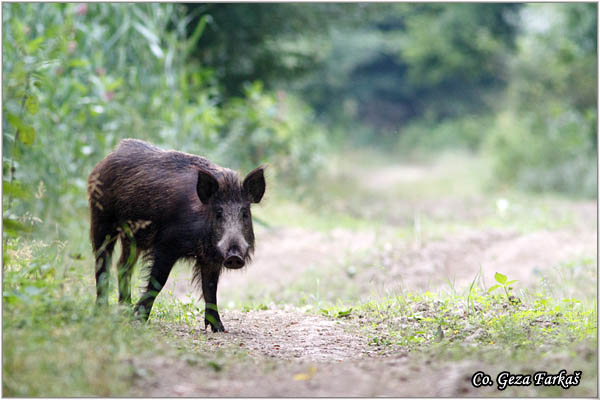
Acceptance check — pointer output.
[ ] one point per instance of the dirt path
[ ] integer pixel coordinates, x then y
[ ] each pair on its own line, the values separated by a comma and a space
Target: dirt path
290, 335
297, 354
300, 354
393, 376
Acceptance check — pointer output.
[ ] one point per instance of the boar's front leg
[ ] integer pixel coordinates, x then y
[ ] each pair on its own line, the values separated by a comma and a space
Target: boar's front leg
210, 280
161, 267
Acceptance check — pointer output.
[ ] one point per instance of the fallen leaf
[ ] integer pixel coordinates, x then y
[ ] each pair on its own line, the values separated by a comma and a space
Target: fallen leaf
304, 377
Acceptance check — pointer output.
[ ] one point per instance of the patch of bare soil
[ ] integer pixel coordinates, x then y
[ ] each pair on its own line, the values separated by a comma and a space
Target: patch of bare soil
395, 377
286, 253
290, 335
456, 260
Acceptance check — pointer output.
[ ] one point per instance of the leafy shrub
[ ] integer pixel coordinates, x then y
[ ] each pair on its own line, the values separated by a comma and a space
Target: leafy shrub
553, 154
274, 129
545, 138
542, 136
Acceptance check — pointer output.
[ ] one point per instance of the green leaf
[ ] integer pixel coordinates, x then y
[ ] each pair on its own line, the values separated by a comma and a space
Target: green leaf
114, 85
148, 34
14, 189
513, 281
500, 278
191, 43
32, 104
155, 48
82, 89
490, 290
215, 365
78, 62
18, 29
13, 228
34, 44
26, 135
346, 313
14, 120
153, 40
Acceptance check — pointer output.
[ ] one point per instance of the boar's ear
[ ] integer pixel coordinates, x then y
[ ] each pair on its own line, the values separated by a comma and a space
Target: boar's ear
207, 185
254, 184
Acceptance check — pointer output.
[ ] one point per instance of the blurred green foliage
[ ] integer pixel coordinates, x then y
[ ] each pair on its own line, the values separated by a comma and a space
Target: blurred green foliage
466, 132
517, 82
412, 61
544, 137
274, 43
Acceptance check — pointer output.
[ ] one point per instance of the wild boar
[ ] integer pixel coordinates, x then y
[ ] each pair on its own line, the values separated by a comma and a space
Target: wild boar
167, 206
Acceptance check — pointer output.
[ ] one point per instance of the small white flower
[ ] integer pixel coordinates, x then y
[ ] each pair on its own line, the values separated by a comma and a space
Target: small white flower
502, 206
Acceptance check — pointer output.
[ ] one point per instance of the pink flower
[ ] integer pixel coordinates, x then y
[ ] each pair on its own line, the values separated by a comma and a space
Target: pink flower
82, 9
109, 95
72, 46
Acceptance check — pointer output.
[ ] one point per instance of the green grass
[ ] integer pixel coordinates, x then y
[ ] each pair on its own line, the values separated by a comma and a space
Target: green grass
56, 343
475, 323
522, 334
65, 350
53, 343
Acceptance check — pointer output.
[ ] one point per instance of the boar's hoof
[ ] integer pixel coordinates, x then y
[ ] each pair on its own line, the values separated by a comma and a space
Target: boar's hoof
234, 262
140, 313
215, 327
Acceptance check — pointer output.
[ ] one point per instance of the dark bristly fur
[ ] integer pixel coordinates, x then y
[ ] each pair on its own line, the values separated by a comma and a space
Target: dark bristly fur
166, 206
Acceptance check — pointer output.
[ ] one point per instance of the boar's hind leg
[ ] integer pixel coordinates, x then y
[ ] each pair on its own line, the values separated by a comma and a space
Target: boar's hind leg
161, 267
103, 241
210, 280
129, 256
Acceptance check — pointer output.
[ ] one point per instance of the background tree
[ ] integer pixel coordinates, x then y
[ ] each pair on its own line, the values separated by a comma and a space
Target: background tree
544, 136
412, 61
268, 42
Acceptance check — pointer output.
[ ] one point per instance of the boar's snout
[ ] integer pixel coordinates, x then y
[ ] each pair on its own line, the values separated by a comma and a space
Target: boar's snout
234, 262
234, 258
234, 249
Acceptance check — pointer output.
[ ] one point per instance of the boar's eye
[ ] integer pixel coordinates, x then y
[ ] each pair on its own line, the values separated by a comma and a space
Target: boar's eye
219, 213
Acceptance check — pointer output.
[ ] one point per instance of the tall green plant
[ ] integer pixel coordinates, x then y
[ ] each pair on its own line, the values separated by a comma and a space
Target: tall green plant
28, 56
